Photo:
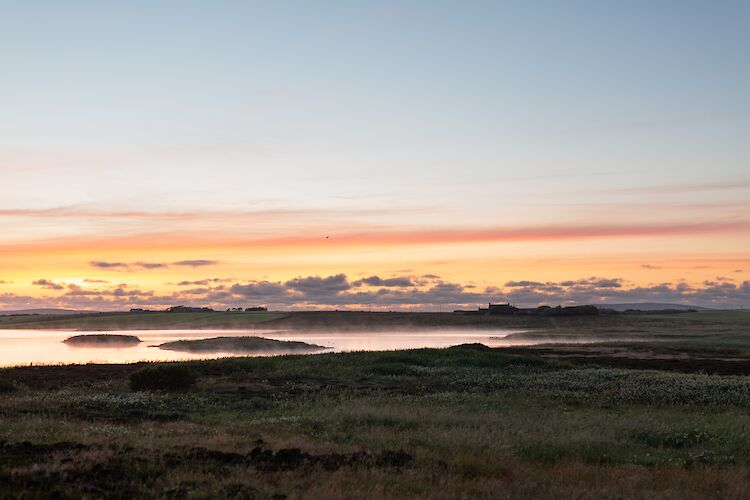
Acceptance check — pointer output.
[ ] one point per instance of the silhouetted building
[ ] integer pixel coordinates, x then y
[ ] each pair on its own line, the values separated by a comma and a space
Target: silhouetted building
501, 309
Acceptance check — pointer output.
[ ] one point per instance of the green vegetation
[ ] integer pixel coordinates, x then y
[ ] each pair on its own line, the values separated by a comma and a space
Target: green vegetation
256, 345
6, 386
142, 321
102, 340
729, 316
167, 377
725, 327
461, 422
649, 406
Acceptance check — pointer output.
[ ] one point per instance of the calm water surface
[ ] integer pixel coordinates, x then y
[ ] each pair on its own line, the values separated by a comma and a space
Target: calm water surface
23, 347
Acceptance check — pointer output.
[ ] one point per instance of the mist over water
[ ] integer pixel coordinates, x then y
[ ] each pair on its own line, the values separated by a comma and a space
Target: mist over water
23, 347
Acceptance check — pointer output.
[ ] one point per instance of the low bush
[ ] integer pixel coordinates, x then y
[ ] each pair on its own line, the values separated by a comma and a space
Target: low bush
676, 439
162, 378
6, 386
592, 452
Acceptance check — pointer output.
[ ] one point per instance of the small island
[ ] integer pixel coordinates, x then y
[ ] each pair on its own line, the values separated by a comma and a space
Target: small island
102, 340
249, 345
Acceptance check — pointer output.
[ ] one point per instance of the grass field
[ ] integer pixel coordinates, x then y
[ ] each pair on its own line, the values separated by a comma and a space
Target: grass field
142, 321
729, 316
231, 320
669, 326
662, 418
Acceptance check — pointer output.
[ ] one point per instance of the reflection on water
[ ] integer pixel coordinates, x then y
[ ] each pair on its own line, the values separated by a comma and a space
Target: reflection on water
23, 347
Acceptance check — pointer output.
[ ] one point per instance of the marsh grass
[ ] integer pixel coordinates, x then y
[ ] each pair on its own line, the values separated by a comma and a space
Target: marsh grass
165, 377
7, 386
477, 424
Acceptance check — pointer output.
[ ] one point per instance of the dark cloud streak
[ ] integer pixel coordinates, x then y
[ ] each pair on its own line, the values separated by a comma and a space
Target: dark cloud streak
195, 263
401, 281
129, 266
50, 285
336, 291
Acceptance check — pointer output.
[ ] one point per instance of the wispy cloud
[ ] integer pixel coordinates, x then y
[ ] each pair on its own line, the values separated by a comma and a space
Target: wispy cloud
45, 283
202, 282
323, 238
126, 266
650, 266
108, 265
732, 185
150, 265
547, 233
209, 215
195, 263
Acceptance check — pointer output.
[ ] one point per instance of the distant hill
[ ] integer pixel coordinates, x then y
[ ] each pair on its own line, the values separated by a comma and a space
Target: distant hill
45, 311
651, 306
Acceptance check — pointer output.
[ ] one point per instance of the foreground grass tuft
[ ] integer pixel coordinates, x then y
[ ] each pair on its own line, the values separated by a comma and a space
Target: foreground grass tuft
7, 386
167, 377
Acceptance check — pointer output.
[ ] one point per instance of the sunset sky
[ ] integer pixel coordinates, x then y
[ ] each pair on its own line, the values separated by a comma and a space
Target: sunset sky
358, 154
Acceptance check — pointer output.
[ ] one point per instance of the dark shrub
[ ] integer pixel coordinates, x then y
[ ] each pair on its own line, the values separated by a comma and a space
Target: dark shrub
677, 439
569, 311
476, 346
6, 386
162, 378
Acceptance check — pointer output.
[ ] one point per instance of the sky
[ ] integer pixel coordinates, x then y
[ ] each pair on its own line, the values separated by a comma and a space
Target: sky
389, 155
